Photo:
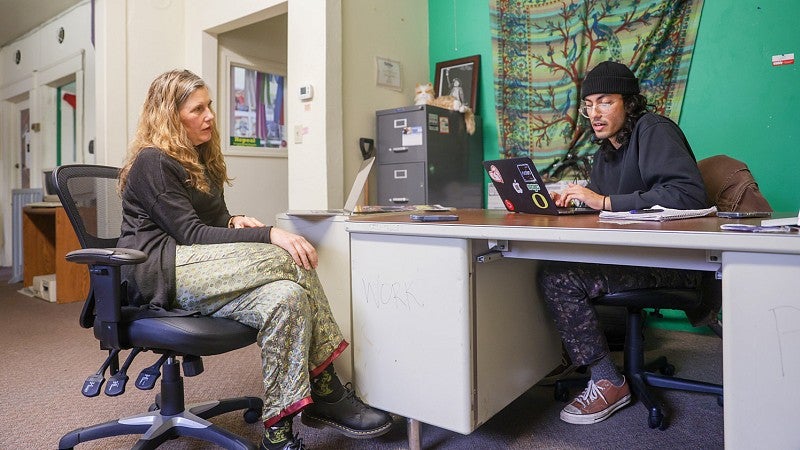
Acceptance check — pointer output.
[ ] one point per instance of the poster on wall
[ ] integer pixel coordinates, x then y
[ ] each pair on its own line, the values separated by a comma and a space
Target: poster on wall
257, 117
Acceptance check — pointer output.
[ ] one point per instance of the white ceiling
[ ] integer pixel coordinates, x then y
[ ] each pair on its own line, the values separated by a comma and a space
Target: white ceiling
17, 17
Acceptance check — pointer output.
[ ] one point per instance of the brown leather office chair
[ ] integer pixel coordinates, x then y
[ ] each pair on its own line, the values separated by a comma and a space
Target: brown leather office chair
88, 194
731, 187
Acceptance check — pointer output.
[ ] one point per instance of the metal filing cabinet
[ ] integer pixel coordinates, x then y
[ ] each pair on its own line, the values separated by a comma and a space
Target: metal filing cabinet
425, 157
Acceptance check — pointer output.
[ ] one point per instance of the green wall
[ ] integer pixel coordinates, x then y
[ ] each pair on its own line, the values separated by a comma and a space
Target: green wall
736, 102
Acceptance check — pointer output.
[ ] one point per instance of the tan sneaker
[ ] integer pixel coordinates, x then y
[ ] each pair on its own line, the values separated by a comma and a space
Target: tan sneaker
597, 402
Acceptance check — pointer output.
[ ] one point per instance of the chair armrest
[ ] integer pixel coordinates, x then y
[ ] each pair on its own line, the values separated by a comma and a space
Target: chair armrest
103, 308
107, 256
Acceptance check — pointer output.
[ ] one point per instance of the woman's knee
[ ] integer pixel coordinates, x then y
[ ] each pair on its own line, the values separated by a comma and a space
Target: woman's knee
290, 297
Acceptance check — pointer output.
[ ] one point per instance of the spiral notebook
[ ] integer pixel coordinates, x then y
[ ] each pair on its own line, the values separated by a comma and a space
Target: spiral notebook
658, 214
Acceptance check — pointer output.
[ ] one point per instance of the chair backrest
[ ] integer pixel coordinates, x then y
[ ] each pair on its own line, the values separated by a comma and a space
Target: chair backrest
730, 185
89, 196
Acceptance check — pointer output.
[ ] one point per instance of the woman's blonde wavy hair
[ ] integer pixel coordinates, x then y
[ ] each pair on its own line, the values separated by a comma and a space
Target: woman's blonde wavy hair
160, 127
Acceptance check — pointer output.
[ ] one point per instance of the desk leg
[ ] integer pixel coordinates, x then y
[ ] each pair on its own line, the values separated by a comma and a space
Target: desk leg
414, 436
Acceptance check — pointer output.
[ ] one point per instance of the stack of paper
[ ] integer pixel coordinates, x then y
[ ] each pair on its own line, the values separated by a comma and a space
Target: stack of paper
657, 213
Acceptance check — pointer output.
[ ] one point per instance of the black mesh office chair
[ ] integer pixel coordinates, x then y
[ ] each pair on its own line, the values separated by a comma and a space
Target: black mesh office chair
731, 187
88, 194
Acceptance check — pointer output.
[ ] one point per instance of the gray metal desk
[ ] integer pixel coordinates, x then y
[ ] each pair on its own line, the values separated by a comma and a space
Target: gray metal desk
442, 339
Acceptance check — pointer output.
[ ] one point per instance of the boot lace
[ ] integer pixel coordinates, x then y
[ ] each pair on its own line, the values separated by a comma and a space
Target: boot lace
352, 397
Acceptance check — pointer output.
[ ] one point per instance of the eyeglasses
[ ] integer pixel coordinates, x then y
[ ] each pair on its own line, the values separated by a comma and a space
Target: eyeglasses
602, 107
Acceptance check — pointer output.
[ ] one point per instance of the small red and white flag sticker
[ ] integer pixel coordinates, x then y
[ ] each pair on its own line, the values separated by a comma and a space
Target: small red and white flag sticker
782, 60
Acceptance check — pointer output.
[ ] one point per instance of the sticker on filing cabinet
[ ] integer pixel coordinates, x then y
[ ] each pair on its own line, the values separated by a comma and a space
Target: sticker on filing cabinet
400, 123
412, 136
400, 174
433, 122
444, 125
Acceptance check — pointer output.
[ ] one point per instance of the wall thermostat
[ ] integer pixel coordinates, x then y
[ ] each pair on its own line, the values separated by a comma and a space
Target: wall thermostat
306, 92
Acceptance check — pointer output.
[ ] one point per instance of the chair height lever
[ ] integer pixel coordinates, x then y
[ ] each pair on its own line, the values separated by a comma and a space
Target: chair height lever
117, 381
92, 385
148, 376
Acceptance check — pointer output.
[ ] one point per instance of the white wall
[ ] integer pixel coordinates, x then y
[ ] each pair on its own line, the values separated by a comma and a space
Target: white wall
389, 29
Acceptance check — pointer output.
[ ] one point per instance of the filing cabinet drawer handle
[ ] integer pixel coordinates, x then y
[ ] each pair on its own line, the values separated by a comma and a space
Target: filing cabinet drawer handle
398, 200
398, 149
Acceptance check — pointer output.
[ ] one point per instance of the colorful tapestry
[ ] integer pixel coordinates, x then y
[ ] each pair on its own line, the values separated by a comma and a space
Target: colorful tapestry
543, 49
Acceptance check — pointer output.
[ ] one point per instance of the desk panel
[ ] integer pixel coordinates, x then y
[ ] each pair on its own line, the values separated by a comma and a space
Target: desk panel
761, 364
412, 327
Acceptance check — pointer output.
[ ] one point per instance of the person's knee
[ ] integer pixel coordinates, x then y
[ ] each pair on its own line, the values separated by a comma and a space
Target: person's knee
293, 299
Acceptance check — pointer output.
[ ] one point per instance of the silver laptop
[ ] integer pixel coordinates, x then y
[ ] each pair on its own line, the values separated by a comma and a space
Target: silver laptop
352, 198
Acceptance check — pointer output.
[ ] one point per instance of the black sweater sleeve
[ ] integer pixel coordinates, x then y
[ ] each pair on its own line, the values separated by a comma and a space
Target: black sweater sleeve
187, 215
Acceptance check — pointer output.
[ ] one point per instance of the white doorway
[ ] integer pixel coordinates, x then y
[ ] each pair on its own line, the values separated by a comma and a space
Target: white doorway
24, 139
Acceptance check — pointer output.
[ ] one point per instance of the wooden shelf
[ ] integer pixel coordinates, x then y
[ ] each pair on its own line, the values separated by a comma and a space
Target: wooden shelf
47, 237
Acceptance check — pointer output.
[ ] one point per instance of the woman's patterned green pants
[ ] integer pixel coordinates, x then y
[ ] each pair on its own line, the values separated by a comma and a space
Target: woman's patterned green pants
260, 285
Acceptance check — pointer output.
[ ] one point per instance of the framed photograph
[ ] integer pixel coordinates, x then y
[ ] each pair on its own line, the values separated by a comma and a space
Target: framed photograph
459, 78
387, 74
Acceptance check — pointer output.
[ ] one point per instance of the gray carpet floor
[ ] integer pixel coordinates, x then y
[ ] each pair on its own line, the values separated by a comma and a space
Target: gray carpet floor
45, 357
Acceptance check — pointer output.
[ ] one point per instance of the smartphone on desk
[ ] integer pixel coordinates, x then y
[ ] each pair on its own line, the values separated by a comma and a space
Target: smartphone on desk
743, 214
433, 217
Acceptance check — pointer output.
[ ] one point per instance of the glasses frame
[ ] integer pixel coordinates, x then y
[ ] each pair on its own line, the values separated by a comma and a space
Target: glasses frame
603, 107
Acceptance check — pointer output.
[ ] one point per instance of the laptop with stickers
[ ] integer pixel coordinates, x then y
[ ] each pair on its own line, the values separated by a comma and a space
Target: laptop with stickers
521, 188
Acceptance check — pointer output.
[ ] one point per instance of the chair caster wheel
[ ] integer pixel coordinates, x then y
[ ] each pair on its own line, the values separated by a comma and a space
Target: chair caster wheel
656, 420
667, 370
561, 393
156, 405
252, 415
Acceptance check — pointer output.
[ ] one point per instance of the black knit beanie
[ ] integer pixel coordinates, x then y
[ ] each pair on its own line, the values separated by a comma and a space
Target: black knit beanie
610, 77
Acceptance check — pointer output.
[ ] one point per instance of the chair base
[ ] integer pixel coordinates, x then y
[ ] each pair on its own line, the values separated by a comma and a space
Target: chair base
156, 428
169, 419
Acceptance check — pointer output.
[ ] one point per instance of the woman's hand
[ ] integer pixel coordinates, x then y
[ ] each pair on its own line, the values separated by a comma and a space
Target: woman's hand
245, 222
579, 193
303, 253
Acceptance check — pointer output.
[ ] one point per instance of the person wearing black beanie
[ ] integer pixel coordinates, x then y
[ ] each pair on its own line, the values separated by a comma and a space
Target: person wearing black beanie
643, 160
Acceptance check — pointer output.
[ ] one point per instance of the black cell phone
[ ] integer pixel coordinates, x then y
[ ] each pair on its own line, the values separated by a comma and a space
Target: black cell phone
433, 217
743, 214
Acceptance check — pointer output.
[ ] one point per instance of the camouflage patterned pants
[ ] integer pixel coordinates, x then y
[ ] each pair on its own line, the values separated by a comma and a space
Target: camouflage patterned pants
260, 285
568, 290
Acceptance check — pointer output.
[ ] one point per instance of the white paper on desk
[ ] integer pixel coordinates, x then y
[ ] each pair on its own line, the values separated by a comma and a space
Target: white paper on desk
660, 216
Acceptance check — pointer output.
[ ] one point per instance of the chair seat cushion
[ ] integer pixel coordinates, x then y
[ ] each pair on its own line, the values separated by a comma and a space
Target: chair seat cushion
666, 298
199, 336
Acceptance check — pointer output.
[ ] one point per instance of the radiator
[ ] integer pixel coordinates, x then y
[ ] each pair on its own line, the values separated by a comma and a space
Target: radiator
19, 198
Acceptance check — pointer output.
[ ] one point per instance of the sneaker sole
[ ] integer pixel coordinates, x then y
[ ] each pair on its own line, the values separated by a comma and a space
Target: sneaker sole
320, 422
588, 419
